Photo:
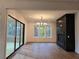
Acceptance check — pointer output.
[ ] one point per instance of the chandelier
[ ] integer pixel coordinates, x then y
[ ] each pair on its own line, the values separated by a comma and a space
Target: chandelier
41, 22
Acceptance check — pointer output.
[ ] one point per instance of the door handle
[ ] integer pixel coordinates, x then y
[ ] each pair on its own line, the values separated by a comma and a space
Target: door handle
68, 36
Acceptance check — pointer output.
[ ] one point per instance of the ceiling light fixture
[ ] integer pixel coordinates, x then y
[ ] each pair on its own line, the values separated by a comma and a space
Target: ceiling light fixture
41, 22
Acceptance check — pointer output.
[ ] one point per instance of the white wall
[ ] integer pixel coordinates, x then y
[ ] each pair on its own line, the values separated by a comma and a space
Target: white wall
77, 33
3, 27
31, 38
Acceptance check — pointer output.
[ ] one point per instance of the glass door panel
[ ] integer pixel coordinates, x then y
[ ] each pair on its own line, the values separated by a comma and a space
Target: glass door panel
48, 31
18, 35
21, 42
10, 36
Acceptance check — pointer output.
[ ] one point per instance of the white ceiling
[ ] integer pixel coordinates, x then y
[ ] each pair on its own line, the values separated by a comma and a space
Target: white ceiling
53, 0
35, 15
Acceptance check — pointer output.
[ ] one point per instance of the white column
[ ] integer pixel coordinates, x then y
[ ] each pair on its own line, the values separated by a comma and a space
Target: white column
3, 30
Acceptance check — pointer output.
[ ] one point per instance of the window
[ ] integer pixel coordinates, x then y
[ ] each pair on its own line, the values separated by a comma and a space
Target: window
42, 31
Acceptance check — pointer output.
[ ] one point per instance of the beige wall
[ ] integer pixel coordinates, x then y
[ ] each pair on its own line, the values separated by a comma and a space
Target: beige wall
31, 38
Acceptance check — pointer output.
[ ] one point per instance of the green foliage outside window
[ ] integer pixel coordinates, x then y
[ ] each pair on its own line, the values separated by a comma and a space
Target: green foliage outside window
42, 31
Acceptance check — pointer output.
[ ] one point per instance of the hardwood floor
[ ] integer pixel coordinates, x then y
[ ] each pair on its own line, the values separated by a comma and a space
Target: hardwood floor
43, 51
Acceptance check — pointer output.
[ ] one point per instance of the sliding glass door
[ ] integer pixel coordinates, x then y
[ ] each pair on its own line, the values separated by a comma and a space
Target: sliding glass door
19, 34
10, 36
15, 35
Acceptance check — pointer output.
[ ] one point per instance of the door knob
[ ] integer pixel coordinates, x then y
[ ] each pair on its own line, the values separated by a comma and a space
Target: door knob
68, 36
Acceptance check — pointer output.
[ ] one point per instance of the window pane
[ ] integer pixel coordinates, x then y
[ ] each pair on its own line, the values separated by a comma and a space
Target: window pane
48, 31
36, 31
10, 36
21, 34
42, 31
18, 35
